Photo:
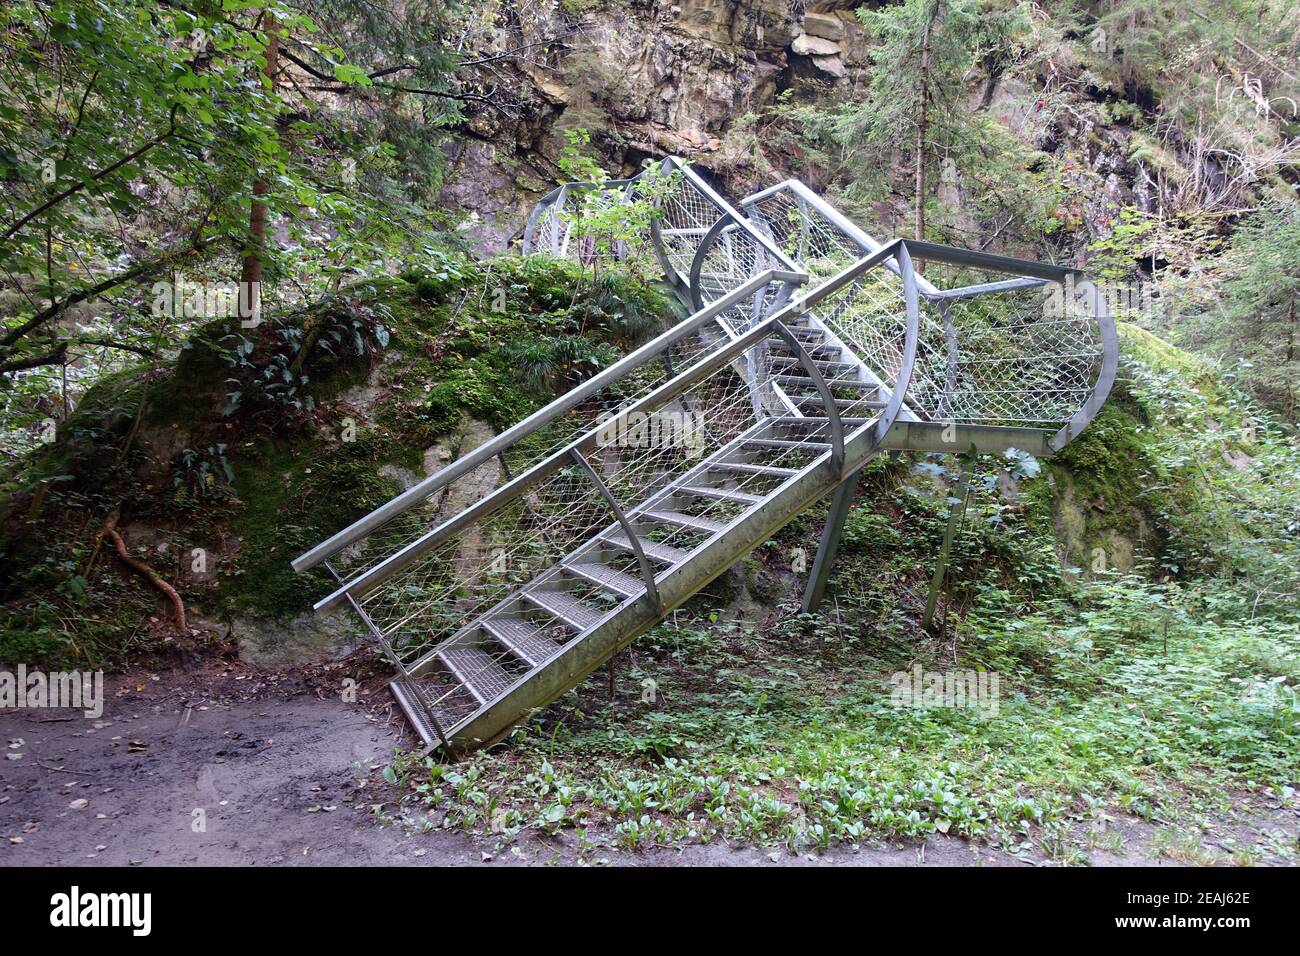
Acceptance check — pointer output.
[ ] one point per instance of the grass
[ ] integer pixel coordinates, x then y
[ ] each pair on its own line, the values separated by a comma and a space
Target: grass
753, 738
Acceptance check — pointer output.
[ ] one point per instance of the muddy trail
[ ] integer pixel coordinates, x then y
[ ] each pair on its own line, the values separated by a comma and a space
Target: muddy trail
227, 766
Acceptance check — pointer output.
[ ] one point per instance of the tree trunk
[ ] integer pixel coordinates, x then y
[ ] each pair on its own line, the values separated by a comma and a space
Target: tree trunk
1290, 408
250, 278
922, 127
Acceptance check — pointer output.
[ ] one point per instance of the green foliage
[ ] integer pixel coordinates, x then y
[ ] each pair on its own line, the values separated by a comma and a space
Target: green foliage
203, 474
1244, 308
273, 466
348, 171
736, 756
271, 369
784, 731
603, 218
866, 147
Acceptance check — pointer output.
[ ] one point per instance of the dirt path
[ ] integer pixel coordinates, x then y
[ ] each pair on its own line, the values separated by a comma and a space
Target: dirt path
236, 767
229, 768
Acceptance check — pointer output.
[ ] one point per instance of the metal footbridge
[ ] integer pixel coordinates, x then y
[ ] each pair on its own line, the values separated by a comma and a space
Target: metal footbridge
502, 580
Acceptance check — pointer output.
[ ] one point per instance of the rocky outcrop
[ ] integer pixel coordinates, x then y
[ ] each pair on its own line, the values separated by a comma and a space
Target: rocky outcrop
652, 78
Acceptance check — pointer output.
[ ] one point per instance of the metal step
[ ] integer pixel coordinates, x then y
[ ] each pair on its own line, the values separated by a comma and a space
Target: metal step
527, 642
624, 585
819, 421
833, 383
818, 353
722, 494
828, 367
564, 607
655, 551
839, 402
784, 443
676, 518
477, 670
748, 469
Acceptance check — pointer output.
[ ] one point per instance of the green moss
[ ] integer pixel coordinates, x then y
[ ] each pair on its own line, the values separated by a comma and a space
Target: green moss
454, 325
292, 498
1137, 344
531, 184
1110, 463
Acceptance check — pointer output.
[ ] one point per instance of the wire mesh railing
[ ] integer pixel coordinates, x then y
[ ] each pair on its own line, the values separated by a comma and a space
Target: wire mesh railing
1000, 341
386, 531
489, 570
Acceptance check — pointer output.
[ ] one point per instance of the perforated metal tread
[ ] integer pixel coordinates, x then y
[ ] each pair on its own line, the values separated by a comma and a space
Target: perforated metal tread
781, 443
477, 670
653, 549
527, 642
564, 607
748, 469
722, 494
621, 584
834, 384
680, 520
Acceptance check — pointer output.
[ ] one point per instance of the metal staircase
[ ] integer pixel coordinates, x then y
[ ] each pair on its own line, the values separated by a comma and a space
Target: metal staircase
811, 348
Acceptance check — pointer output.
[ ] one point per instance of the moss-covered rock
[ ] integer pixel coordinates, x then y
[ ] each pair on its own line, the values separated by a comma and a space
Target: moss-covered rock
257, 444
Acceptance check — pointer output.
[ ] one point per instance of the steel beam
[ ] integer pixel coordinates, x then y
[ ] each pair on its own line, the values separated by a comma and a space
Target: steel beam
952, 437
829, 545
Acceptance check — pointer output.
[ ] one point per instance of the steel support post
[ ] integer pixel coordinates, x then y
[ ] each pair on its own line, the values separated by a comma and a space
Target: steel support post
830, 544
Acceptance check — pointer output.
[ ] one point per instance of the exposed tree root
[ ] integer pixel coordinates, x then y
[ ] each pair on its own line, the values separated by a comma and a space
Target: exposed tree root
178, 606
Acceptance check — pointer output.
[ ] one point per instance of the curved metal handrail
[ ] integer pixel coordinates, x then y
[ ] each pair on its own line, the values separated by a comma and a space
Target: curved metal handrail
908, 364
1105, 379
634, 540
556, 197
701, 253
823, 390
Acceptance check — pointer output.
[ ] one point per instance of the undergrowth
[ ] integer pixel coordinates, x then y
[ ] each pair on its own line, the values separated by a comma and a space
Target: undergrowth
1164, 693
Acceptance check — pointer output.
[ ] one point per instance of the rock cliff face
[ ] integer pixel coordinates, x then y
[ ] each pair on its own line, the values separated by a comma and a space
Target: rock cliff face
654, 78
